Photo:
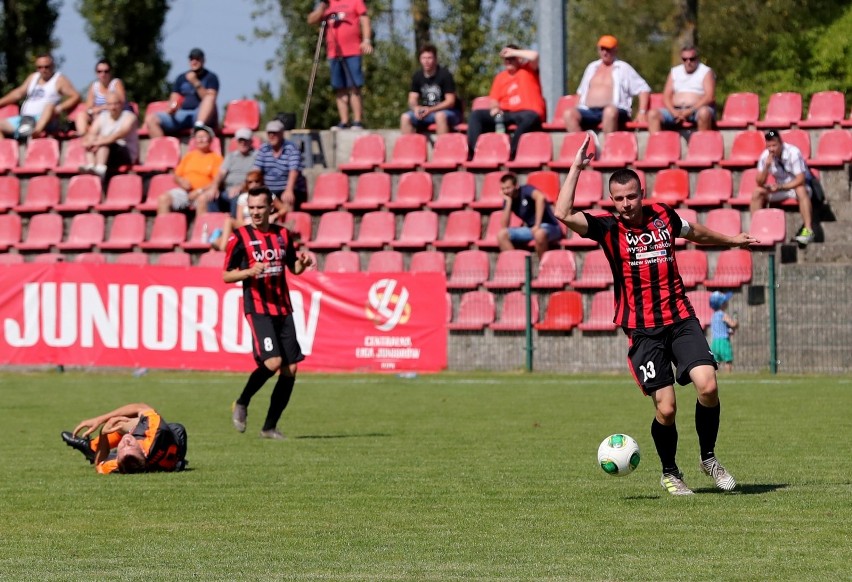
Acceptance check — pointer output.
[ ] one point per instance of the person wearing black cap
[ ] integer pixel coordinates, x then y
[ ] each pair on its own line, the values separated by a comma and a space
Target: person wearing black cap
787, 166
192, 101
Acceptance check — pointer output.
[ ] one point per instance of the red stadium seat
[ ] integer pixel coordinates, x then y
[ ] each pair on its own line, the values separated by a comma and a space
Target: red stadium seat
212, 260
700, 301
556, 270
746, 149
509, 270
546, 182
8, 155
692, 266
174, 259
513, 312
11, 258
768, 226
799, 138
495, 223
168, 231
342, 262
476, 310
134, 258
833, 150
163, 155
331, 190
42, 195
662, 151
86, 231
595, 272
413, 191
470, 270
419, 229
490, 195
783, 110
42, 156
83, 193
335, 229
826, 110
620, 149
705, 150
10, 110
713, 188
741, 110
564, 103
491, 152
564, 312
91, 259
724, 220
733, 269
123, 193
10, 231
571, 143
127, 231
601, 313
75, 156
671, 186
589, 189
385, 262
377, 229
428, 262
241, 113
409, 151
10, 191
152, 107
448, 153
43, 232
457, 190
202, 228
368, 152
299, 224
372, 191
158, 184
461, 231
656, 102
747, 186
48, 258
535, 149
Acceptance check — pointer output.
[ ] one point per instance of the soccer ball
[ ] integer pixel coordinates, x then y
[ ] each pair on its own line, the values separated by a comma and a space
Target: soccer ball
618, 455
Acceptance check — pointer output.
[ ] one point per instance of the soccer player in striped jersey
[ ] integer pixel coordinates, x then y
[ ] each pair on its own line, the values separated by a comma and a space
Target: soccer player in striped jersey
652, 308
257, 255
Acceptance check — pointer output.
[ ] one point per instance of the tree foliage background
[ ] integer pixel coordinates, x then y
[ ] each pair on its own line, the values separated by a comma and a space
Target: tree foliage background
759, 46
26, 29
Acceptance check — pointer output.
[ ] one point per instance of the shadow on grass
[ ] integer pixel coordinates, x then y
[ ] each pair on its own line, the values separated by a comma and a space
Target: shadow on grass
642, 497
342, 436
747, 489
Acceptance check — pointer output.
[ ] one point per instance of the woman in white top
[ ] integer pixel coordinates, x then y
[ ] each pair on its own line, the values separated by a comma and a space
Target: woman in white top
97, 94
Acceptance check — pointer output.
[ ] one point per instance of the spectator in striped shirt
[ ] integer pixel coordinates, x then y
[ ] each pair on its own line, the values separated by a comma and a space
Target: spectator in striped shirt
281, 163
652, 308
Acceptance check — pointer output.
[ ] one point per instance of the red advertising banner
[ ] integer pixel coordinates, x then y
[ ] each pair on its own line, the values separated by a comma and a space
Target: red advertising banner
166, 317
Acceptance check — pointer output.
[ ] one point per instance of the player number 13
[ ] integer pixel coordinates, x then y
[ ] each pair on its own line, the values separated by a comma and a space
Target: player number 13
648, 371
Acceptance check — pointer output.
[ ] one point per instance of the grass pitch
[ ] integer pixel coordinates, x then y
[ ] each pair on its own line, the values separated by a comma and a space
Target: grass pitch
444, 477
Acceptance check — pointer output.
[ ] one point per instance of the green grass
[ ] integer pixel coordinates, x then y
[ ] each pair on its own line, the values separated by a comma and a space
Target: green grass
445, 477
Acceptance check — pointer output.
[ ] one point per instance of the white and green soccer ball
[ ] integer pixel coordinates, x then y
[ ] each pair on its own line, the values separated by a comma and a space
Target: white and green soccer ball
618, 455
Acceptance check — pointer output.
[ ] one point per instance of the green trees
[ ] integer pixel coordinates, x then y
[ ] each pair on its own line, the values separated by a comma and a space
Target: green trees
26, 29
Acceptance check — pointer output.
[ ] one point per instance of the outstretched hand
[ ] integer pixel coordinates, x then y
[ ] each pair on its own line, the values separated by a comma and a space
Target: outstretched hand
744, 240
306, 260
583, 157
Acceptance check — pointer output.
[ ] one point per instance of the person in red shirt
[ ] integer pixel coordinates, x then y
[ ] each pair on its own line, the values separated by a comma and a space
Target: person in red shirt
133, 438
347, 38
515, 99
652, 308
257, 255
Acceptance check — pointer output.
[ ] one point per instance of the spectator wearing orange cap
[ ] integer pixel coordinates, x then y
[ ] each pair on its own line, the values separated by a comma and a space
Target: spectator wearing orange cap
606, 92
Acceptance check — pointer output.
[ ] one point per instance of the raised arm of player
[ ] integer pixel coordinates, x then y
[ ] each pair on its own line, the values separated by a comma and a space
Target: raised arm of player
127, 411
564, 207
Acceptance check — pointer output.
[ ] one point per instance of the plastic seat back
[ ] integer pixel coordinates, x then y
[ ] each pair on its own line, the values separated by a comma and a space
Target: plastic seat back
457, 190
783, 110
564, 312
513, 312
385, 262
741, 110
476, 310
462, 229
413, 191
428, 262
470, 269
342, 262
556, 270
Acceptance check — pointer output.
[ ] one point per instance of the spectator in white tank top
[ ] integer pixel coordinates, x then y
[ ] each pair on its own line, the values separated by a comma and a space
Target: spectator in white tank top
689, 95
96, 97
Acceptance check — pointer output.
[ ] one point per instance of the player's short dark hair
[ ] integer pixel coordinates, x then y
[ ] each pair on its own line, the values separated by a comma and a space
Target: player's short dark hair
624, 176
261, 191
509, 177
428, 48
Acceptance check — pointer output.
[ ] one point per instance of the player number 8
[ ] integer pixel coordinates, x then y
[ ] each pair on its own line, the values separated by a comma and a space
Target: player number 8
267, 344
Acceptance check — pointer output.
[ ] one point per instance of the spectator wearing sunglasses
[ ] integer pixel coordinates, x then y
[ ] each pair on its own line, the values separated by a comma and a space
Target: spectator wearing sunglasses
689, 95
228, 184
96, 97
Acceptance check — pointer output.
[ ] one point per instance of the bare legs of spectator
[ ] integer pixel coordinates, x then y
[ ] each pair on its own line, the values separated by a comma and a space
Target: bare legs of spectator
5, 129
760, 199
152, 122
207, 110
503, 240
609, 123
572, 120
346, 98
98, 160
81, 123
655, 121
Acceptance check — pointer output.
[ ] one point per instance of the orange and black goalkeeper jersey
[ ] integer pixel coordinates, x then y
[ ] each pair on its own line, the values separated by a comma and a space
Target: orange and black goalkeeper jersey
158, 443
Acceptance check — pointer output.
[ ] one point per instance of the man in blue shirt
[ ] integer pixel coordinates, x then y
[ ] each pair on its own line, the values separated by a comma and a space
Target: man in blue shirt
534, 209
281, 163
192, 101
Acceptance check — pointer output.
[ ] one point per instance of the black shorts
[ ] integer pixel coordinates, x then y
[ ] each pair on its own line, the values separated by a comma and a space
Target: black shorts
119, 155
274, 337
653, 352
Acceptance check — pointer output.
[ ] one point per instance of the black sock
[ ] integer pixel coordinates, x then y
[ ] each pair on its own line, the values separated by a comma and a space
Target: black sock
278, 401
255, 382
707, 427
665, 439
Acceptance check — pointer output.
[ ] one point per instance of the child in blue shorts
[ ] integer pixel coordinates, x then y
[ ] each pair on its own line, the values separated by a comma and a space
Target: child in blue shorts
722, 327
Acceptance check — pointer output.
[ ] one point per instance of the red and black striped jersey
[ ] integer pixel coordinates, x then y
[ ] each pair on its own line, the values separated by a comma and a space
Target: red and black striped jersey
266, 294
649, 291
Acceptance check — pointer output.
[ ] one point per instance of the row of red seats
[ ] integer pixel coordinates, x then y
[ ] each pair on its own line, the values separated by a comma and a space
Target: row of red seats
477, 310
535, 150
212, 259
